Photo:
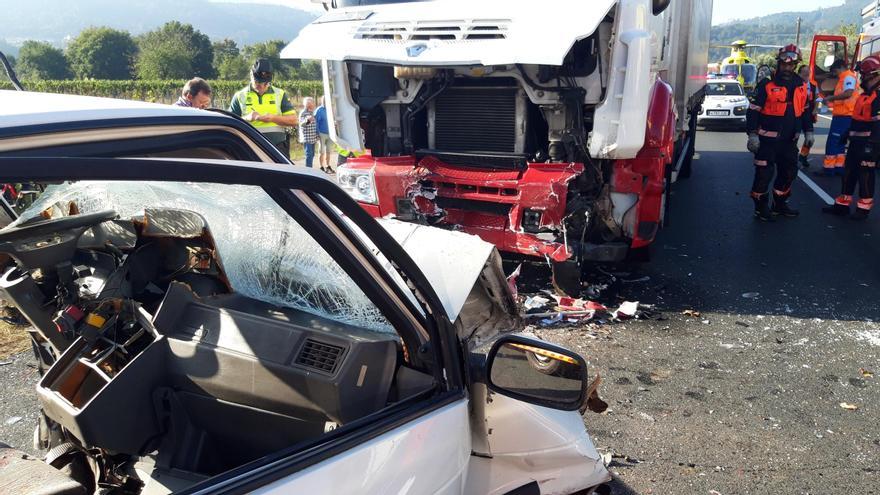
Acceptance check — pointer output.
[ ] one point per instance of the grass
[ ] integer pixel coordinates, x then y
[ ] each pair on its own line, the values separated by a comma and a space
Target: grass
13, 339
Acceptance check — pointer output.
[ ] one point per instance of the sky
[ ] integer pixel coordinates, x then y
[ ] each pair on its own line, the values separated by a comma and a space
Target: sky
724, 10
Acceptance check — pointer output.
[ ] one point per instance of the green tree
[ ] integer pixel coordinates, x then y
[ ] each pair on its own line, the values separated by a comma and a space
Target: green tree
271, 50
309, 70
102, 53
228, 62
851, 31
174, 51
40, 60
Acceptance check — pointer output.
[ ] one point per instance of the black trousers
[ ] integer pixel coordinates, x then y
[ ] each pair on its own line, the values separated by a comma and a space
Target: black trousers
859, 170
779, 156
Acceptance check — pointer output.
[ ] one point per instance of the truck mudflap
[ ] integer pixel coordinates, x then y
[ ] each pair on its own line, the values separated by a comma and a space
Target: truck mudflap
644, 176
519, 211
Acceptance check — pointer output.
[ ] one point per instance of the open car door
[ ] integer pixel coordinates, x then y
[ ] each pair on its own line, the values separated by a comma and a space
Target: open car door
826, 50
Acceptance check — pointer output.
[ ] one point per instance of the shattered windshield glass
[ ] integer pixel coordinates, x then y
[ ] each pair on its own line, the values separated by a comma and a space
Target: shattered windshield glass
267, 255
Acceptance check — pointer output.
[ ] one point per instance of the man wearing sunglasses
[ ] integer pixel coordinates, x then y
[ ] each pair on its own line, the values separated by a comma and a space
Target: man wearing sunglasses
266, 107
775, 120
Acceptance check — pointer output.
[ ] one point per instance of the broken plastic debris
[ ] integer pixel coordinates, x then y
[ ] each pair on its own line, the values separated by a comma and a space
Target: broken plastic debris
550, 321
866, 373
636, 280
511, 280
566, 303
535, 302
12, 420
751, 295
691, 312
848, 406
627, 309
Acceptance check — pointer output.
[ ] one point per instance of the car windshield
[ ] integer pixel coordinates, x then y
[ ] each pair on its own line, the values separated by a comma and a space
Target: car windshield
265, 253
724, 89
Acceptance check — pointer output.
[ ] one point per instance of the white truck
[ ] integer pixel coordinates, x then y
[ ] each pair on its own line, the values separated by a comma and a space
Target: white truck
549, 129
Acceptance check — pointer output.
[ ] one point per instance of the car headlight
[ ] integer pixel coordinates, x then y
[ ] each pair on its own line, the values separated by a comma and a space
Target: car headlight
359, 183
739, 110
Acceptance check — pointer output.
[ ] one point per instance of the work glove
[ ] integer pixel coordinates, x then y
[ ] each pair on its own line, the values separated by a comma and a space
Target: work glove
754, 143
809, 139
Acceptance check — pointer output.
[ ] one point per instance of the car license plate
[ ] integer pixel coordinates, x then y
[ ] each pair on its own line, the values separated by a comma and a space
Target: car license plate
716, 113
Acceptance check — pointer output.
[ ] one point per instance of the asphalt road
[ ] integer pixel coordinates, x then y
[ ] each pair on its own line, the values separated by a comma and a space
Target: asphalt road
746, 397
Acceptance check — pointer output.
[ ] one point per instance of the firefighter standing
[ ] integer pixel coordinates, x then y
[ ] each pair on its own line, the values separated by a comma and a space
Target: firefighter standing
864, 145
843, 101
813, 108
774, 121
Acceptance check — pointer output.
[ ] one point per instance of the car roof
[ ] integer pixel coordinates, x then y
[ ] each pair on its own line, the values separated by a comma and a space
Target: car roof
25, 108
725, 81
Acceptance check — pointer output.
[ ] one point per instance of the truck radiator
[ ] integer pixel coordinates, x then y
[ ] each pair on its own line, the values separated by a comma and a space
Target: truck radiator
478, 120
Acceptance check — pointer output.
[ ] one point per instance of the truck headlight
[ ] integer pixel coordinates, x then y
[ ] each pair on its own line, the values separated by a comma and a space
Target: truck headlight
359, 183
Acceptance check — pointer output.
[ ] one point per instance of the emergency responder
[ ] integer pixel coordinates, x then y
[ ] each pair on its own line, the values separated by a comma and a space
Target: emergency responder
812, 96
842, 103
864, 145
774, 121
265, 106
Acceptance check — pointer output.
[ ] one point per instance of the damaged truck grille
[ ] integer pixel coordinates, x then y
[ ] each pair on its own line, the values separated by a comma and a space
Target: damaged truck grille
476, 120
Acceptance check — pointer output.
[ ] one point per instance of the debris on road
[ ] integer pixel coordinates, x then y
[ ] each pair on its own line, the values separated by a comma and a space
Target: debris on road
627, 309
12, 420
751, 295
691, 312
535, 302
848, 406
866, 373
742, 324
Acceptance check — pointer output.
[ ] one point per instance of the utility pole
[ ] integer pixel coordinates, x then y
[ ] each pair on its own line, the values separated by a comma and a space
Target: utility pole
798, 36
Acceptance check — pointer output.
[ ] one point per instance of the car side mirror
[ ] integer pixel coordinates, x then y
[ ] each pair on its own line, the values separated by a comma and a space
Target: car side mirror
537, 372
658, 6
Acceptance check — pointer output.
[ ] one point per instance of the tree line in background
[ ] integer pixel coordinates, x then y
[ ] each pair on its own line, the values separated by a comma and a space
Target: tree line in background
173, 51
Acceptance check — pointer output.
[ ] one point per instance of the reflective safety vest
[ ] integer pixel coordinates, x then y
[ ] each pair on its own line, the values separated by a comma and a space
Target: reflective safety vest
777, 100
844, 108
863, 116
269, 103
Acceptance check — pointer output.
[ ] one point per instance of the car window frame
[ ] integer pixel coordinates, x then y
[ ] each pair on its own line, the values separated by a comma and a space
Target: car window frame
287, 185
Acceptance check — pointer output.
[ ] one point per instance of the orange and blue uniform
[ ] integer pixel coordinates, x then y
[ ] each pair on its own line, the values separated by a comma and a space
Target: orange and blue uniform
842, 111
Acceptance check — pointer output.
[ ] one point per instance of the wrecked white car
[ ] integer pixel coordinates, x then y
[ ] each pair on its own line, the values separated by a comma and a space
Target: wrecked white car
204, 324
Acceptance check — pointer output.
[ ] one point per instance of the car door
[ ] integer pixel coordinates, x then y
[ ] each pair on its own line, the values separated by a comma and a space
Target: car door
395, 450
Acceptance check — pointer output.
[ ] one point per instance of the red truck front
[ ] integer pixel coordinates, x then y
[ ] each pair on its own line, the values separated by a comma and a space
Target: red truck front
548, 129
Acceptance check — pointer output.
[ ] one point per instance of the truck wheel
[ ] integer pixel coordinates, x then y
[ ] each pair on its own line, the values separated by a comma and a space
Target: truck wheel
566, 277
548, 366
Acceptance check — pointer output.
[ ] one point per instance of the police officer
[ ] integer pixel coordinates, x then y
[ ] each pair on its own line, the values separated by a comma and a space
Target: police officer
864, 145
775, 119
265, 106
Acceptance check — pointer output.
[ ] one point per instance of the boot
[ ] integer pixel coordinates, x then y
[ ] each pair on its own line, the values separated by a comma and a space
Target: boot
780, 207
804, 162
860, 214
762, 209
836, 209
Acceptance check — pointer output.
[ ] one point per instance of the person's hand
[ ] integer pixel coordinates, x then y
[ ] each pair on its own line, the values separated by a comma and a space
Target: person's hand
252, 116
809, 139
753, 143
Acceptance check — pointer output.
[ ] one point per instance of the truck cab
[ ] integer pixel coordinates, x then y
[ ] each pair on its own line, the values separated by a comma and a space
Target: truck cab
550, 130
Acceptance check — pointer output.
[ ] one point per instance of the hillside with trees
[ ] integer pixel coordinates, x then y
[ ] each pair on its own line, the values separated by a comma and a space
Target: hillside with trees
781, 28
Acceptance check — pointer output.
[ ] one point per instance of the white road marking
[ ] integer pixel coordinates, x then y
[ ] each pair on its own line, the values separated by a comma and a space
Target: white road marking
816, 189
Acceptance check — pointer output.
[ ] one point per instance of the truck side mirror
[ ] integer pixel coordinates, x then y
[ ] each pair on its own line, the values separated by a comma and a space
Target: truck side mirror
537, 372
658, 6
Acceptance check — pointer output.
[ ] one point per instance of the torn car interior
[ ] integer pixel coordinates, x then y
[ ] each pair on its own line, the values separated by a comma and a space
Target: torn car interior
170, 354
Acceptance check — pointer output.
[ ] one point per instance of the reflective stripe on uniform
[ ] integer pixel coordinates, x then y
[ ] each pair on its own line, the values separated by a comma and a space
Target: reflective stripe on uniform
868, 164
762, 132
761, 163
865, 204
757, 195
843, 200
781, 193
830, 161
859, 133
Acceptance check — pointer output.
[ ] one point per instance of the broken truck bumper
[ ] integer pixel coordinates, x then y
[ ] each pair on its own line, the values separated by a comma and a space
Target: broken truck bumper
519, 211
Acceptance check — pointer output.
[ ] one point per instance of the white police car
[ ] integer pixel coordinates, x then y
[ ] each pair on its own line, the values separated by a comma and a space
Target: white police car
725, 104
